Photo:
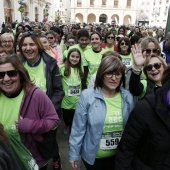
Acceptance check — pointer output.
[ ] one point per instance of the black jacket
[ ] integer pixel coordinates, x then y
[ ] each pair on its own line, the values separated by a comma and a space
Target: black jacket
7, 160
145, 144
53, 81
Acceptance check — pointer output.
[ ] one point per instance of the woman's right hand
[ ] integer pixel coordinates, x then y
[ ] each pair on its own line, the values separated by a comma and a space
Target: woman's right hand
73, 164
138, 57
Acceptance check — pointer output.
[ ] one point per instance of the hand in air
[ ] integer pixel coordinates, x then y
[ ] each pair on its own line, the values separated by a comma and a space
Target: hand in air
138, 57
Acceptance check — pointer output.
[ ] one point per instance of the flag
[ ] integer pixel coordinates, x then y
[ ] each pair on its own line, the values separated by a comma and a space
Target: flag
168, 22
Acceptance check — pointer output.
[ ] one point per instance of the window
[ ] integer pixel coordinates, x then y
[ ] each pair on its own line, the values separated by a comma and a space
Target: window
103, 3
79, 3
115, 3
128, 4
91, 3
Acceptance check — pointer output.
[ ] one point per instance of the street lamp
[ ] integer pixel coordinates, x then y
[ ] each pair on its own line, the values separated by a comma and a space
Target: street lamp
21, 8
57, 16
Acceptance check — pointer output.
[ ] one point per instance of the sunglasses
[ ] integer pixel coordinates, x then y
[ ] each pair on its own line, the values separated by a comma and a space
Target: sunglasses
148, 51
71, 42
27, 33
155, 65
51, 38
124, 44
10, 73
111, 38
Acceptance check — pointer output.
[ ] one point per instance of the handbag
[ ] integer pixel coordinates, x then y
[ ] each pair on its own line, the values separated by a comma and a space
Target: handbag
23, 156
48, 147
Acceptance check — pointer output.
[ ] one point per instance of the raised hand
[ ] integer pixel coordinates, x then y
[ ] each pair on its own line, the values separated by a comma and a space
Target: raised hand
138, 57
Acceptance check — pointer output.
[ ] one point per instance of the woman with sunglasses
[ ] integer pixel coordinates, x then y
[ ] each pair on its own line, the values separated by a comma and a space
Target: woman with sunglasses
30, 115
52, 38
109, 42
71, 40
147, 57
145, 141
124, 49
49, 50
92, 57
100, 117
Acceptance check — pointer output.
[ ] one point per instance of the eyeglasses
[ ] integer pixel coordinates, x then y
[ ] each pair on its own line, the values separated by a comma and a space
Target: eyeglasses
124, 43
111, 38
148, 51
10, 73
71, 42
50, 38
155, 65
118, 75
5, 42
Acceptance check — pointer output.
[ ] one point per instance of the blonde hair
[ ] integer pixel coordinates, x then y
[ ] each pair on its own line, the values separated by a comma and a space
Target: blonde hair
6, 35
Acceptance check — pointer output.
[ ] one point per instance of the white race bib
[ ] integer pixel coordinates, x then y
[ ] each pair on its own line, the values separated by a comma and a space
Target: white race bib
110, 140
74, 90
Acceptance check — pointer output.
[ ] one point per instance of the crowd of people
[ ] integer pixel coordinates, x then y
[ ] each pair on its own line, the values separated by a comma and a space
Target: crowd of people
109, 84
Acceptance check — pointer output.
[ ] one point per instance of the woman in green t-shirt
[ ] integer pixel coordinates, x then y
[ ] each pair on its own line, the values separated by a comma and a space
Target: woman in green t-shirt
71, 74
124, 49
92, 57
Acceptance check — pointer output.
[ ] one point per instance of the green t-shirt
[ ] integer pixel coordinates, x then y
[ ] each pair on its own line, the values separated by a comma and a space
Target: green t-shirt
92, 60
109, 48
127, 60
113, 127
71, 87
37, 75
10, 114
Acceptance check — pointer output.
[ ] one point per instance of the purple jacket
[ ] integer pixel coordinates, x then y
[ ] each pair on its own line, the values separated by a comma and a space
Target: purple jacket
39, 118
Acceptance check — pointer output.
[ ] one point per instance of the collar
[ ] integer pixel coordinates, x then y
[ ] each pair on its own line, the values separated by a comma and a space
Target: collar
14, 95
97, 51
36, 63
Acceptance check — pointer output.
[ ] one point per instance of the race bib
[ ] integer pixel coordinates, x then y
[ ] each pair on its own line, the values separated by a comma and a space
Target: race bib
110, 140
127, 62
74, 90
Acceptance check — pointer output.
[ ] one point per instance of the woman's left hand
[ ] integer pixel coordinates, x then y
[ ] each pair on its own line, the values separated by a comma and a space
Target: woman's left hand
16, 122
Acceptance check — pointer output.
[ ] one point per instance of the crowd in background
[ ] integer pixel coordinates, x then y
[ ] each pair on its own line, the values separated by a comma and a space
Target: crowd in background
108, 83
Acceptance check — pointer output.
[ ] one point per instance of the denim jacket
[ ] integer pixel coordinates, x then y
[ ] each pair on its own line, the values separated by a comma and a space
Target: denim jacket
89, 121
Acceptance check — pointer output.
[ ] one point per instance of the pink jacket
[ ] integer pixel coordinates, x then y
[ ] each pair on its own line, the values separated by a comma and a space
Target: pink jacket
56, 56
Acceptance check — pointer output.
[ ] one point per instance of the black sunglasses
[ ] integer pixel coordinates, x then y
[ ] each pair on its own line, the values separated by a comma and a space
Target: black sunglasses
27, 33
124, 43
111, 38
148, 51
155, 65
50, 38
10, 73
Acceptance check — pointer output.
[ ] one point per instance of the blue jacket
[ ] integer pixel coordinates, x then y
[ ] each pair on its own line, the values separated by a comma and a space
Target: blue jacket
89, 121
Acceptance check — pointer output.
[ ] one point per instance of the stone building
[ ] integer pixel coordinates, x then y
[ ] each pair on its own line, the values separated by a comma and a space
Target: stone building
123, 12
35, 10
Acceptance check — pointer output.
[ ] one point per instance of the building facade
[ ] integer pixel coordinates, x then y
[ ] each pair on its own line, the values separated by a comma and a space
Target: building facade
62, 10
159, 13
123, 12
34, 10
